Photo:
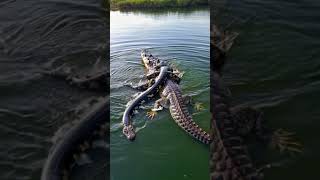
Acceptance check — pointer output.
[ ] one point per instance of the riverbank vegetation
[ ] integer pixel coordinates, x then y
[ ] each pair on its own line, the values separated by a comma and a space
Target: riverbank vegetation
138, 4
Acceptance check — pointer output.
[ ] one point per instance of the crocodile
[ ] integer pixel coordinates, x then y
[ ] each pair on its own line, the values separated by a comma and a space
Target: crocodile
171, 97
229, 156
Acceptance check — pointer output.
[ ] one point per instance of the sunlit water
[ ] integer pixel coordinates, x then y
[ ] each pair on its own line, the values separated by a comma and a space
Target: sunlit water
161, 150
274, 66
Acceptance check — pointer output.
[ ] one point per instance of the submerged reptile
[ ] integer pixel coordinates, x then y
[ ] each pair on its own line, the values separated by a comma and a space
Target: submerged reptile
171, 97
229, 157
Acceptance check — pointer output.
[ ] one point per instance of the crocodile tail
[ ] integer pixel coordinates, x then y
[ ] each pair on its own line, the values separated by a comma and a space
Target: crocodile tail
195, 131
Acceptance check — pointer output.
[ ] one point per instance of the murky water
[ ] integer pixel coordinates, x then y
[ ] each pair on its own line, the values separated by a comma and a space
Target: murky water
38, 36
161, 150
274, 66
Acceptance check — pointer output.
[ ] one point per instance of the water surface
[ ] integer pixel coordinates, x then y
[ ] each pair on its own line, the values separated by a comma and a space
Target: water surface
274, 66
161, 150
38, 36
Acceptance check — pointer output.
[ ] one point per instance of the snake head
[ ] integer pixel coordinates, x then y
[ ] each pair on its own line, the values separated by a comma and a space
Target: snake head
128, 131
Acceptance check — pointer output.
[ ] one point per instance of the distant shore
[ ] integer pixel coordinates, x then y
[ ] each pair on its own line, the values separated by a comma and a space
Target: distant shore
139, 4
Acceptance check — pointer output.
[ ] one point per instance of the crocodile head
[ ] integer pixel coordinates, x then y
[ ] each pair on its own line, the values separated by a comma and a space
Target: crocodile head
128, 131
150, 62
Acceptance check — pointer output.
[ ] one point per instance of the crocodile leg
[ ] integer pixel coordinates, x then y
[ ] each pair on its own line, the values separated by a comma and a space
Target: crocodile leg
178, 73
198, 106
142, 85
158, 106
250, 121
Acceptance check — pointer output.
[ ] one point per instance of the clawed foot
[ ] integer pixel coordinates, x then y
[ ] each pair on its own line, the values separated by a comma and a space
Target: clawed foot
198, 106
284, 141
151, 114
178, 73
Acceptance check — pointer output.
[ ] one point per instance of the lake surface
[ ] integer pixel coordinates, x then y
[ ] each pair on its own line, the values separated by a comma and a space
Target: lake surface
38, 36
161, 150
274, 66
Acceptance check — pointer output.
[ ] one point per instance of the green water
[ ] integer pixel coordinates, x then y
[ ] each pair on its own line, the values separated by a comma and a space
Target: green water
161, 150
274, 66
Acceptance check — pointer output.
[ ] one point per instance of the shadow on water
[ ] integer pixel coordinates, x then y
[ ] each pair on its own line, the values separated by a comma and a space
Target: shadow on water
37, 37
274, 66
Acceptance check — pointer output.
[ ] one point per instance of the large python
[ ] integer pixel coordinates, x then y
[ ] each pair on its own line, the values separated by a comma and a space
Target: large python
171, 96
